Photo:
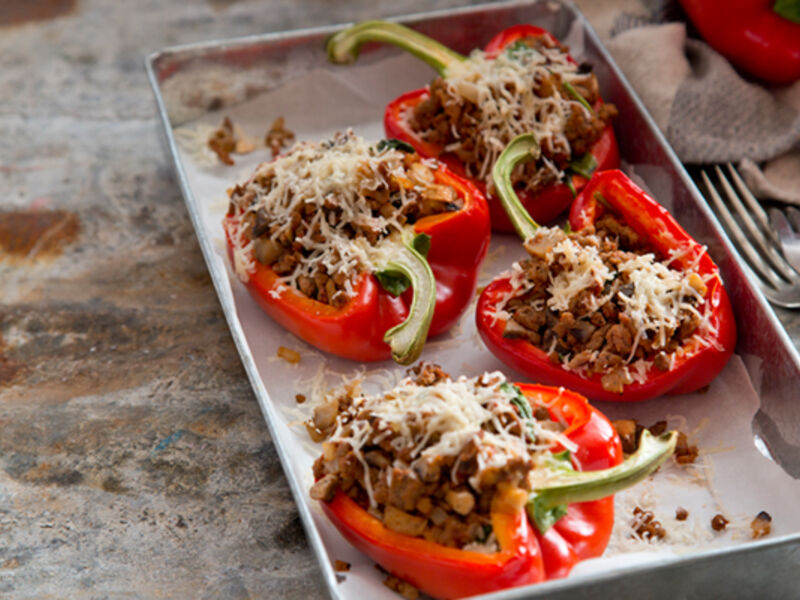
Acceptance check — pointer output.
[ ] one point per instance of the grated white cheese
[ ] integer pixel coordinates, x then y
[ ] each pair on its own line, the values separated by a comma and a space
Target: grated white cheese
659, 299
333, 174
504, 88
442, 419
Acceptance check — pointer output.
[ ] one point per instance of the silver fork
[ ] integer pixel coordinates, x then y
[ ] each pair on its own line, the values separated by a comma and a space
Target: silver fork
759, 244
787, 223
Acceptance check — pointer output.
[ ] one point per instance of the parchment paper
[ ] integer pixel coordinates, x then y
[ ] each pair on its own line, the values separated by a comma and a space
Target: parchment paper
732, 476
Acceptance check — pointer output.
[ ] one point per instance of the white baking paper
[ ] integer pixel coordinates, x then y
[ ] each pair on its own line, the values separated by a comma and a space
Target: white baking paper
731, 477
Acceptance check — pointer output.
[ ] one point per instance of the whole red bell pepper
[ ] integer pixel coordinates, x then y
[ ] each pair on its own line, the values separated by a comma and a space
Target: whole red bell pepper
543, 205
761, 37
375, 324
526, 554
701, 360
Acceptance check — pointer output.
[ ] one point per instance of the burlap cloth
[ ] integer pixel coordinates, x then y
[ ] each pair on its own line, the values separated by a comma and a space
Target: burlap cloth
707, 110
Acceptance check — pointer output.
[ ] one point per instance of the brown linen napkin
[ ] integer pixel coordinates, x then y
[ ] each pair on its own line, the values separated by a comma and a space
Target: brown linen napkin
710, 113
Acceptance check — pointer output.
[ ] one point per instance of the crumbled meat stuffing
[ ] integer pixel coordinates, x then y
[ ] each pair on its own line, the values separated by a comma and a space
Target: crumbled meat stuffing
341, 566
278, 136
761, 525
646, 526
223, 142
227, 139
289, 240
719, 523
405, 589
289, 355
444, 498
628, 431
427, 374
685, 453
324, 489
681, 514
594, 334
451, 119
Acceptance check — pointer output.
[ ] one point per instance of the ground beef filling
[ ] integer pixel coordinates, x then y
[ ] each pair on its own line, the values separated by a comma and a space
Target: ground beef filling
453, 122
434, 498
280, 250
595, 340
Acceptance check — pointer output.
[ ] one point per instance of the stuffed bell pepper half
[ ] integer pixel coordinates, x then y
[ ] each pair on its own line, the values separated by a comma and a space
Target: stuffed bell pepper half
470, 485
623, 305
524, 81
361, 250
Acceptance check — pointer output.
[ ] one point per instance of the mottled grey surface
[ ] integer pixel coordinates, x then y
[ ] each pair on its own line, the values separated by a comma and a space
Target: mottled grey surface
134, 461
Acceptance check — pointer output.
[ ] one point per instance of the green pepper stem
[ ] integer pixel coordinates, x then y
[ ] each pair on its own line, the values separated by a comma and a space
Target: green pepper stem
788, 9
522, 148
343, 47
407, 339
567, 487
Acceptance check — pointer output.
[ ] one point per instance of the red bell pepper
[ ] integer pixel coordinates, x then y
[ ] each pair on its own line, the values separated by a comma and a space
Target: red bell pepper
760, 37
543, 205
438, 570
700, 362
526, 554
374, 324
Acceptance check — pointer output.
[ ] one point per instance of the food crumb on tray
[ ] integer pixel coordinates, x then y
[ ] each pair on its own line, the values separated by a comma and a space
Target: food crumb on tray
229, 139
278, 136
646, 526
685, 453
341, 566
630, 430
681, 514
289, 355
761, 525
719, 522
405, 589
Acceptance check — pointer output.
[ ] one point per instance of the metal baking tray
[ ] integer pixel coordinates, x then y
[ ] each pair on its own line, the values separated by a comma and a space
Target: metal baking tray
196, 80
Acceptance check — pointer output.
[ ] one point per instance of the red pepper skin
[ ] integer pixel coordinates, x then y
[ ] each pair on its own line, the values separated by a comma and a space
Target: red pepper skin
751, 35
585, 530
459, 241
437, 570
651, 221
526, 556
543, 206
514, 33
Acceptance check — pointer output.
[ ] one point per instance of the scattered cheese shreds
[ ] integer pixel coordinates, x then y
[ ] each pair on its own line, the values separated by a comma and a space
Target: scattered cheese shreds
657, 300
441, 419
332, 173
505, 89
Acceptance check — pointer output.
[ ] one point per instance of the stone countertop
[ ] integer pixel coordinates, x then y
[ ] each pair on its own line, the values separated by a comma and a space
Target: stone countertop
134, 460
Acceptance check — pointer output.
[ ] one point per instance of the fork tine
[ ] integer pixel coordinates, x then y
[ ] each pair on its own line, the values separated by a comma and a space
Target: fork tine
756, 263
794, 217
766, 246
779, 222
754, 205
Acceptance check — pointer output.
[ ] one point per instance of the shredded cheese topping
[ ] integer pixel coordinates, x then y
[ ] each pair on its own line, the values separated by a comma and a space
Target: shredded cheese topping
655, 300
442, 419
505, 90
333, 174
